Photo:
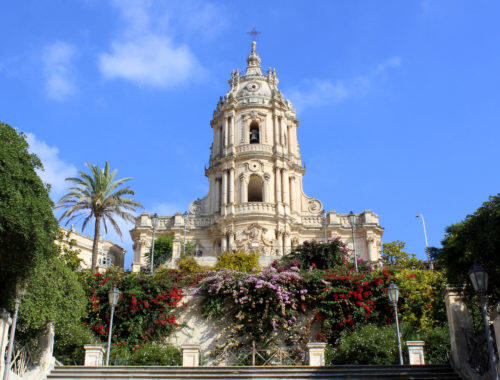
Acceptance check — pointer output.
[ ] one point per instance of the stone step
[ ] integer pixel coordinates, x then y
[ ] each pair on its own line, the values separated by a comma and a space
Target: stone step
243, 372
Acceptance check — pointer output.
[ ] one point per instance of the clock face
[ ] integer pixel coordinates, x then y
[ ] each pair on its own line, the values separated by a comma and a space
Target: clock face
253, 86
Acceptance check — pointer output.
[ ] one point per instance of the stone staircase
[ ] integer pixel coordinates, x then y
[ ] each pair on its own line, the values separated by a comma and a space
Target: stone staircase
278, 372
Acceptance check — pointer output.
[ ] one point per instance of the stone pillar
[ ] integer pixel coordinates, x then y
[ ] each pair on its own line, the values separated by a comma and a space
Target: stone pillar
293, 195
5, 323
277, 179
176, 252
94, 355
458, 320
46, 346
231, 185
231, 130
276, 137
416, 352
224, 188
287, 242
223, 243
316, 351
265, 189
217, 195
243, 189
190, 355
231, 241
279, 240
286, 185
225, 133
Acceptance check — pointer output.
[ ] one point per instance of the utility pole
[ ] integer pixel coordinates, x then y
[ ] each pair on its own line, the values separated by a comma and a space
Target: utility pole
431, 265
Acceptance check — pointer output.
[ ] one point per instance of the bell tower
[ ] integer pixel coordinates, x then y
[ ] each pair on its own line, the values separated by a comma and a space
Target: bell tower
255, 200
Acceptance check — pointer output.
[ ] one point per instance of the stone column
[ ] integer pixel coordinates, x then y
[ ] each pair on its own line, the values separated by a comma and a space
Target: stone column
224, 187
176, 252
293, 202
276, 137
223, 243
94, 355
286, 185
458, 320
225, 133
316, 352
279, 240
217, 195
190, 355
287, 242
231, 241
265, 189
243, 189
416, 352
5, 323
231, 185
231, 130
277, 179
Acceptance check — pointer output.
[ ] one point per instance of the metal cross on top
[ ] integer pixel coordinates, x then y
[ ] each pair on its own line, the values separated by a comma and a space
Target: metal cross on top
254, 33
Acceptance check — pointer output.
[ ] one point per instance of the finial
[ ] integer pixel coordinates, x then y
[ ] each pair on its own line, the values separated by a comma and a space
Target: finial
254, 47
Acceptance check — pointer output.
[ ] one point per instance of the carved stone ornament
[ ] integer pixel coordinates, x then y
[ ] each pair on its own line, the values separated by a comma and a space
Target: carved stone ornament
254, 166
196, 207
254, 233
253, 86
314, 206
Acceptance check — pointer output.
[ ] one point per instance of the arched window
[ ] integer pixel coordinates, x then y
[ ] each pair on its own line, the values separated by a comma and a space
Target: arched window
254, 133
255, 189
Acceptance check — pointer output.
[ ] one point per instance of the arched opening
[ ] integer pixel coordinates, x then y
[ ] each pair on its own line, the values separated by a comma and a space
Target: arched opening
255, 189
254, 133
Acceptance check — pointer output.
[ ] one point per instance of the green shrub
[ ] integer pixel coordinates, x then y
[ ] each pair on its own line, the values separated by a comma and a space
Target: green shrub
437, 345
146, 354
369, 344
189, 265
239, 261
319, 255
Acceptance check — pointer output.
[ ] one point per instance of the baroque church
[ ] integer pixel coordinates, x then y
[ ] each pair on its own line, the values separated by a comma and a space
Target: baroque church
255, 200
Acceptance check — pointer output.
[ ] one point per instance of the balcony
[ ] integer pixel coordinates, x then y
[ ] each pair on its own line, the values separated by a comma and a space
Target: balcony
256, 208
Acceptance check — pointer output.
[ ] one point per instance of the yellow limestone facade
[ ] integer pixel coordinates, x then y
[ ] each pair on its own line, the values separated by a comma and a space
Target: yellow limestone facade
255, 201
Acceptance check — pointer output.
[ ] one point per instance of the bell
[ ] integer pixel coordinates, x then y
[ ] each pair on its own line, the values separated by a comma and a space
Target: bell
254, 137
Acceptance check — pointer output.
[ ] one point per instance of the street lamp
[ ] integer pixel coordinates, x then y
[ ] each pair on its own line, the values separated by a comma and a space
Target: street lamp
393, 293
479, 278
352, 220
431, 265
20, 292
113, 296
154, 223
185, 223
323, 217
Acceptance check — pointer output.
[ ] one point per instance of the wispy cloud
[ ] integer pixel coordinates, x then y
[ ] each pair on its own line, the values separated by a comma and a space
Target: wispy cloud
55, 169
320, 92
147, 51
57, 66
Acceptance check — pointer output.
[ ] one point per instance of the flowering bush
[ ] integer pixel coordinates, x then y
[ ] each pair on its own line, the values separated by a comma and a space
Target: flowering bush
263, 305
239, 261
145, 311
317, 255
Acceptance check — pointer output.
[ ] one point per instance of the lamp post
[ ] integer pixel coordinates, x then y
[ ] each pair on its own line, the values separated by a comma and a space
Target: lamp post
113, 296
20, 292
185, 223
393, 293
154, 223
323, 217
352, 220
479, 278
431, 265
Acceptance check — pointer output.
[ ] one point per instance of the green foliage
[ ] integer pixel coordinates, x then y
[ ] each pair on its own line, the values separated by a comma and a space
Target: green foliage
27, 225
437, 345
239, 261
394, 253
189, 265
475, 239
69, 342
318, 255
368, 344
54, 295
68, 253
145, 311
97, 196
420, 302
163, 251
146, 354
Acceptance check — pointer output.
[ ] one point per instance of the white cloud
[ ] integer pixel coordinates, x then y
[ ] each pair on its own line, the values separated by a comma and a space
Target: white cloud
55, 170
57, 66
319, 92
147, 53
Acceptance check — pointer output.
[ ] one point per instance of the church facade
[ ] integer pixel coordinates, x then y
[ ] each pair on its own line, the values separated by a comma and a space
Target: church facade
255, 200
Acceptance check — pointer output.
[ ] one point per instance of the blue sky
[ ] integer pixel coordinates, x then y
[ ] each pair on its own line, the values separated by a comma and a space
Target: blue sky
397, 100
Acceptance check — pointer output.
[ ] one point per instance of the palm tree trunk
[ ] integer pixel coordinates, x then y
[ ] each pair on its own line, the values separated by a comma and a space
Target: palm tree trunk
96, 242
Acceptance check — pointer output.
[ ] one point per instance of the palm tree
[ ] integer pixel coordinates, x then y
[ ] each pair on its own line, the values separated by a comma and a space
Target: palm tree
97, 196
